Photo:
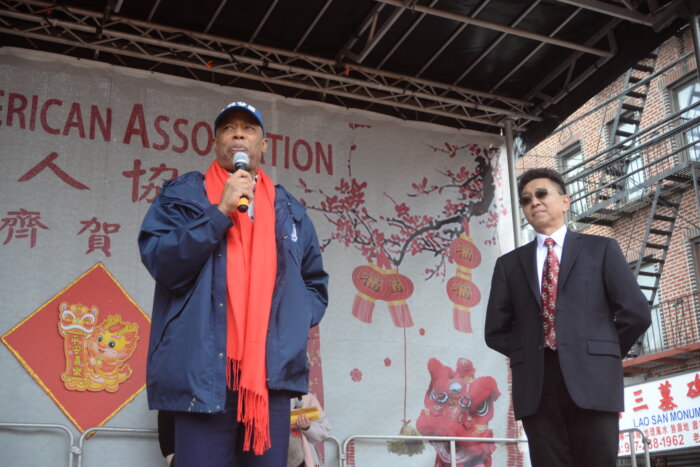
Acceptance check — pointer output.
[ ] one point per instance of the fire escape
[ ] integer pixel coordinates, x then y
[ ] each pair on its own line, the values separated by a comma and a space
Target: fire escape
642, 176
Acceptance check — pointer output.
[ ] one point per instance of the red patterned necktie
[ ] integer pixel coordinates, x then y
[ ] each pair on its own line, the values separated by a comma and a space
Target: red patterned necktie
550, 275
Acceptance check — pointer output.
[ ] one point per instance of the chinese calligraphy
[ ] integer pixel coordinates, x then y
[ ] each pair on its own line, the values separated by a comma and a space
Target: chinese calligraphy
166, 173
22, 224
97, 241
48, 162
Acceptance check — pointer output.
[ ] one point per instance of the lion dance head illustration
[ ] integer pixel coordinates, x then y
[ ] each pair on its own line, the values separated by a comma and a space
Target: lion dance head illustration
458, 404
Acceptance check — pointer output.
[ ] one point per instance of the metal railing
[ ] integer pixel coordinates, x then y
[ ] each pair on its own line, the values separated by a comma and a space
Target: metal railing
79, 451
76, 451
452, 440
633, 449
48, 426
675, 324
612, 182
339, 450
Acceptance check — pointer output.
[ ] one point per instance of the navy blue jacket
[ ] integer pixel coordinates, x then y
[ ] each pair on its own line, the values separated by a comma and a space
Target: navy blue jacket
183, 245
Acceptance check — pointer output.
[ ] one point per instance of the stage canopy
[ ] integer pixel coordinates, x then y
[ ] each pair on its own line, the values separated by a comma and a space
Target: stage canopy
461, 63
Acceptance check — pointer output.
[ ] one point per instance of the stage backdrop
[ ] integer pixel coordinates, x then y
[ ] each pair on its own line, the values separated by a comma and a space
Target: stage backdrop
411, 218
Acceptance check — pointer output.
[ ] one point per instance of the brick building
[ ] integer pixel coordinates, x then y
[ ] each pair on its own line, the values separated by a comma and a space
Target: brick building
631, 158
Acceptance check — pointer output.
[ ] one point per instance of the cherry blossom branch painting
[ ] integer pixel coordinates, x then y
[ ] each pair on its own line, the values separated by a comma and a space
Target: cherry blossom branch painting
385, 241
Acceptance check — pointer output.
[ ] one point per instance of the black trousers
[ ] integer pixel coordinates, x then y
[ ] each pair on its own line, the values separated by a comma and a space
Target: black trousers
560, 434
215, 440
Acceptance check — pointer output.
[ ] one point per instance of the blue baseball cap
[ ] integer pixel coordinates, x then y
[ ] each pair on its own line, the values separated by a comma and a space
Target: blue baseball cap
238, 105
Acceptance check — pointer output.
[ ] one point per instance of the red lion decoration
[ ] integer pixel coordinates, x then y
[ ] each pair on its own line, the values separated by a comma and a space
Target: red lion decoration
457, 404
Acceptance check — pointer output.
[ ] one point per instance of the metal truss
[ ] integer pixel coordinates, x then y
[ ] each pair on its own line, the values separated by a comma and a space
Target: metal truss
197, 52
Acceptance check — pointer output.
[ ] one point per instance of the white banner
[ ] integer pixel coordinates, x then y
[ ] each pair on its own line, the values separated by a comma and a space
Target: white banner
411, 218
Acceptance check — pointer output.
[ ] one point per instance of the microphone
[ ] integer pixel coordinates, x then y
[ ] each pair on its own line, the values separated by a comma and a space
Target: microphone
240, 162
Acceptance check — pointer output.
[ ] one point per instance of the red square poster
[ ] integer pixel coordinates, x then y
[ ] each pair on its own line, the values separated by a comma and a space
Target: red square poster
94, 340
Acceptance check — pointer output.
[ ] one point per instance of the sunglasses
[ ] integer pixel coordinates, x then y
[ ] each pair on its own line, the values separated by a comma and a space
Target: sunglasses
540, 193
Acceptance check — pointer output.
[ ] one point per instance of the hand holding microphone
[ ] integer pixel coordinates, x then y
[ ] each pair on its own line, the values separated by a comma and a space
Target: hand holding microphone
239, 189
240, 162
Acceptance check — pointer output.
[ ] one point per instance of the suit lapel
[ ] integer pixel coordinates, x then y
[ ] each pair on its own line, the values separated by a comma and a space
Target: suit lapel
573, 244
528, 261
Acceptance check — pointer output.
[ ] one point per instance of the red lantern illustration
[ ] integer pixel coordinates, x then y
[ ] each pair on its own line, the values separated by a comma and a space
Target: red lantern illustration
461, 290
371, 285
399, 289
465, 294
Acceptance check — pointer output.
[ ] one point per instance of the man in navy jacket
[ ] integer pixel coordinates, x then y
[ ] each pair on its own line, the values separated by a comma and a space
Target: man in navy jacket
183, 244
567, 382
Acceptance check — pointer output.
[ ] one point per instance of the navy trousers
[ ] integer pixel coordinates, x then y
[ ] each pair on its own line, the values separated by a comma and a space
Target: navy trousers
216, 440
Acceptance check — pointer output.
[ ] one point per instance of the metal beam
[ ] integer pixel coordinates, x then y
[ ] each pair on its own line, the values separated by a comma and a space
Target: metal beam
377, 36
153, 42
534, 50
312, 25
266, 72
563, 66
452, 37
215, 15
498, 40
405, 35
262, 22
611, 10
500, 28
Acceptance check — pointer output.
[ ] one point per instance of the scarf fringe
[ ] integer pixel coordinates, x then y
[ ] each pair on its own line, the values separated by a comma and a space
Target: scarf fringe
253, 409
233, 374
252, 412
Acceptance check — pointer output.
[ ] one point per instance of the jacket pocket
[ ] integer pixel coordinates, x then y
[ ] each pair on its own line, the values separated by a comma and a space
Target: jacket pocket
603, 348
516, 357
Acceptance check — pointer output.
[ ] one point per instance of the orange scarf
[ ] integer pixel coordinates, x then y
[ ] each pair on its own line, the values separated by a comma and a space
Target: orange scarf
251, 267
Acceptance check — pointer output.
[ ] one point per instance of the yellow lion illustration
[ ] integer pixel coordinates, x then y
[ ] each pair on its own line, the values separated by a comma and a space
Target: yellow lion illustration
112, 343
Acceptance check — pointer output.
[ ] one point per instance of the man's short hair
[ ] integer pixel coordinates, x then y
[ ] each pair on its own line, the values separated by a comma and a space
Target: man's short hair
541, 172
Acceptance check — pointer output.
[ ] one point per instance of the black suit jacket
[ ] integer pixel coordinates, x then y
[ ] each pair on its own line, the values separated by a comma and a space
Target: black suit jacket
600, 313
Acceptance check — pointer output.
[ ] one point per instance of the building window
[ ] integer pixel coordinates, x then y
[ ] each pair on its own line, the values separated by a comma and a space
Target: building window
685, 95
695, 243
654, 339
628, 170
569, 160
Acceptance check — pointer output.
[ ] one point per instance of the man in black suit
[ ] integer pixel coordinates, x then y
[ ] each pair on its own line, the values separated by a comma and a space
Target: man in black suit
566, 346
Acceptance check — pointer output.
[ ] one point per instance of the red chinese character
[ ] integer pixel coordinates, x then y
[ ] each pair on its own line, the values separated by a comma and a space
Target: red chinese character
696, 437
24, 224
47, 162
99, 242
638, 399
666, 398
694, 387
165, 173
